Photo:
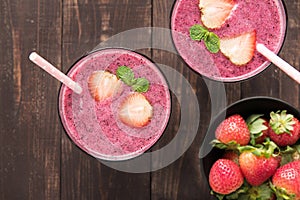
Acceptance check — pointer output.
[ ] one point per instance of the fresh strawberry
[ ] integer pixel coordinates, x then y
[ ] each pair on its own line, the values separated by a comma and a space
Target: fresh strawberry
233, 129
257, 169
258, 128
103, 85
285, 128
225, 176
231, 155
239, 48
286, 181
135, 110
215, 12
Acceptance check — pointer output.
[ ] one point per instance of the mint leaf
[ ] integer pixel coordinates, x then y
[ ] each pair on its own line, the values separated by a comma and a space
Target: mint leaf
212, 42
198, 32
126, 75
141, 85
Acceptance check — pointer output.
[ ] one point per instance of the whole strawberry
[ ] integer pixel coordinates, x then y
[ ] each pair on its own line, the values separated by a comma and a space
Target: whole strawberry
233, 129
225, 177
286, 181
257, 169
284, 128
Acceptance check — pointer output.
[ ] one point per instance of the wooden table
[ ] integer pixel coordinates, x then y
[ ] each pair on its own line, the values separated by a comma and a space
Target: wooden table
38, 160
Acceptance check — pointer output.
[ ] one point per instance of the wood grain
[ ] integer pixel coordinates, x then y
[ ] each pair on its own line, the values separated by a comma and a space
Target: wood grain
182, 179
30, 140
39, 161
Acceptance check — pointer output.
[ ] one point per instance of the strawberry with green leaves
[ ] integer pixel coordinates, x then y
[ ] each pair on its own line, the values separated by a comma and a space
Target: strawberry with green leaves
225, 177
260, 163
284, 128
286, 181
233, 129
257, 169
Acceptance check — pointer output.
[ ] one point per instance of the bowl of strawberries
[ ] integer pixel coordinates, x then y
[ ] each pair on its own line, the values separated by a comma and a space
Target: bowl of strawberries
256, 151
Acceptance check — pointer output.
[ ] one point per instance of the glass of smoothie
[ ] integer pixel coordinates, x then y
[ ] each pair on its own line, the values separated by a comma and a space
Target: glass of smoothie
267, 18
113, 118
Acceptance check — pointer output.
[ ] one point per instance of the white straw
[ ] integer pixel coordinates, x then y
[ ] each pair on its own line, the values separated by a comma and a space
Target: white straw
279, 62
48, 67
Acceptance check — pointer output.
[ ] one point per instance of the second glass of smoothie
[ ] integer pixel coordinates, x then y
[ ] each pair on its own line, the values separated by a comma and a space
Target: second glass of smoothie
266, 17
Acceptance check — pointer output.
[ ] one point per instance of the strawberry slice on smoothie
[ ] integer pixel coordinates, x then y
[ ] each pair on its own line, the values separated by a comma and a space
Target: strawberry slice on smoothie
135, 110
239, 48
103, 85
214, 13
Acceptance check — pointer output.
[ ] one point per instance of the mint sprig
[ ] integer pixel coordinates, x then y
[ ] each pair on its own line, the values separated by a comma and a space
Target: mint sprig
141, 85
127, 76
211, 40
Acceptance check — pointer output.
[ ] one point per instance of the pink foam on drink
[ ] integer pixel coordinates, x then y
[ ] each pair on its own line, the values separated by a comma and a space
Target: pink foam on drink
95, 126
267, 17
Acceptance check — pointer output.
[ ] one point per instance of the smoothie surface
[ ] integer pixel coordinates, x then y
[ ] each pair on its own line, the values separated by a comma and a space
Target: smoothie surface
95, 126
266, 17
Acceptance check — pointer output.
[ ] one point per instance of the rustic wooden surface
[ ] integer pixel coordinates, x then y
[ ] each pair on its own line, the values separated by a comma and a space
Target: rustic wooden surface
37, 159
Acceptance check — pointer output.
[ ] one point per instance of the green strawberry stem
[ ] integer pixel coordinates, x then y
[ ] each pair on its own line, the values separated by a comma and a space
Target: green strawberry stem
289, 154
248, 192
281, 193
256, 127
229, 146
281, 122
262, 192
267, 149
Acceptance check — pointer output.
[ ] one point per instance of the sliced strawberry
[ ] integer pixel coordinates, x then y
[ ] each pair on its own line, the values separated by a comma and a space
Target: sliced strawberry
215, 12
135, 110
103, 84
240, 48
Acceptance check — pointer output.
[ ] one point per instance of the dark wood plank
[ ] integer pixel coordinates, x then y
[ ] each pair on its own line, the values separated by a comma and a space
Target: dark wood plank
182, 179
86, 24
29, 126
289, 90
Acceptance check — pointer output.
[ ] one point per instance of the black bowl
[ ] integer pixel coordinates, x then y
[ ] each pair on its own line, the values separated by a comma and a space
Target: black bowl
244, 107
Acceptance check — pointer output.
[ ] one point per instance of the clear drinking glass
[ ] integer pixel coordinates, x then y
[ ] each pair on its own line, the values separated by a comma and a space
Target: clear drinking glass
95, 126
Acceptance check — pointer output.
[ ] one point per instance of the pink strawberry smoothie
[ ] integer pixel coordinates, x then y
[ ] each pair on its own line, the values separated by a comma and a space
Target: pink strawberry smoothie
266, 17
95, 126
